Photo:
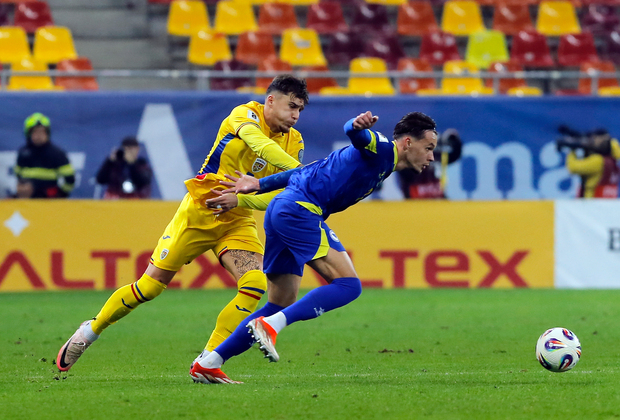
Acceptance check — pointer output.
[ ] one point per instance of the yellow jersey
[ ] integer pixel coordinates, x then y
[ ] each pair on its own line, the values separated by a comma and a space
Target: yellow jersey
251, 156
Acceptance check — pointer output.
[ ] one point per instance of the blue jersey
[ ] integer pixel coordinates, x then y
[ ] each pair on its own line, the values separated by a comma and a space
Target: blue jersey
347, 175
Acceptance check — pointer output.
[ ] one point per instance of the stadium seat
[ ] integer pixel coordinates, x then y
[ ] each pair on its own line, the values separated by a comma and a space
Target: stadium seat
439, 47
412, 65
301, 47
315, 84
234, 18
524, 91
254, 47
462, 85
272, 64
510, 19
273, 18
369, 85
76, 82
557, 18
486, 47
187, 17
207, 48
13, 44
461, 18
599, 19
299, 2
530, 49
611, 47
53, 44
577, 49
343, 47
33, 15
225, 83
326, 18
496, 3
609, 91
585, 85
386, 47
506, 84
416, 18
43, 82
387, 2
370, 19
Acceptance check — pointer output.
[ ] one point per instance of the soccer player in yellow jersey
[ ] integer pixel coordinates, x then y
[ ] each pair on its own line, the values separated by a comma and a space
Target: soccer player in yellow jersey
256, 139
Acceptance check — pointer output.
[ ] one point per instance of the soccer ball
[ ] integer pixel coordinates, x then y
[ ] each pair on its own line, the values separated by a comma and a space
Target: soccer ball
558, 350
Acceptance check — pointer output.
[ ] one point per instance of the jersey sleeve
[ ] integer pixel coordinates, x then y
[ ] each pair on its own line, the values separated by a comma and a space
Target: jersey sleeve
266, 148
257, 201
242, 116
372, 144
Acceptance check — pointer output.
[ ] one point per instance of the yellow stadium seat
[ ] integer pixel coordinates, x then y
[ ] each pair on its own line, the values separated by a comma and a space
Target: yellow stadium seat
486, 47
388, 2
43, 82
53, 44
13, 44
187, 17
207, 48
463, 85
301, 47
334, 91
609, 91
461, 18
557, 18
524, 91
369, 85
234, 18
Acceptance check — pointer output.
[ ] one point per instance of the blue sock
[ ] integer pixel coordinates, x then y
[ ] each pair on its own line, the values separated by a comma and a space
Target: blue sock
323, 299
241, 340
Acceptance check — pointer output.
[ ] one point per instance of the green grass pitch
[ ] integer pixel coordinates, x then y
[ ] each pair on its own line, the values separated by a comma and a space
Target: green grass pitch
392, 354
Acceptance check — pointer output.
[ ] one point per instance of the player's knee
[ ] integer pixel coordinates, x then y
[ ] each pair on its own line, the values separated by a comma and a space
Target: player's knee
353, 285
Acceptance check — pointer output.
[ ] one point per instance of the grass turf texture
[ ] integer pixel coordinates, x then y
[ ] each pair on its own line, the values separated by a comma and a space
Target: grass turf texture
447, 354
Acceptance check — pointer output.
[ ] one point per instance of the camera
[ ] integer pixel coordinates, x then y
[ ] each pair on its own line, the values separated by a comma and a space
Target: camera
597, 141
120, 154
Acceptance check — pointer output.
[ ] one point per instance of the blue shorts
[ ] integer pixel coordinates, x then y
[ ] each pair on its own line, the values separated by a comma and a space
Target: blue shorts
295, 236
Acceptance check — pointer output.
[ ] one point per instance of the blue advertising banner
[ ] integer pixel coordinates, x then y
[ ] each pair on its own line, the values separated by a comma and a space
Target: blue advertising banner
509, 143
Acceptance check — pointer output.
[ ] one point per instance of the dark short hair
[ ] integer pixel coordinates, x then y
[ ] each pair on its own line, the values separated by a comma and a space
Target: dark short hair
414, 124
130, 141
289, 85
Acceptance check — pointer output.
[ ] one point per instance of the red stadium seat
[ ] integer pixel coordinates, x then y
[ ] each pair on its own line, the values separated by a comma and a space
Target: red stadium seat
576, 49
510, 19
344, 47
530, 49
438, 47
387, 47
33, 15
416, 18
370, 19
326, 18
254, 47
76, 82
272, 64
585, 85
224, 83
273, 18
599, 20
409, 86
506, 84
315, 84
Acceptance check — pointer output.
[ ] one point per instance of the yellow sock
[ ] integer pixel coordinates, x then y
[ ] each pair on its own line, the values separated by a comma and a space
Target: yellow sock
125, 300
251, 287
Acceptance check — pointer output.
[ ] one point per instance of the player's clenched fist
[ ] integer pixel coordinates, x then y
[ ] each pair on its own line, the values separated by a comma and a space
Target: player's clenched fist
365, 120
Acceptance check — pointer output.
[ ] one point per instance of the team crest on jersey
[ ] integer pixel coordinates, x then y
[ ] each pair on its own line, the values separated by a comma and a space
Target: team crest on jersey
300, 156
333, 236
258, 165
164, 254
252, 115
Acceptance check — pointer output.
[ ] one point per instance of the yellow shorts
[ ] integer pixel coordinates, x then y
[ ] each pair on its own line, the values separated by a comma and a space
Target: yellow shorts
194, 230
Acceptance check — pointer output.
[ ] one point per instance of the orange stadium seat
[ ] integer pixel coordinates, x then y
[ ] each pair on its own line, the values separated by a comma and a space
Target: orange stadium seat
234, 18
13, 44
506, 84
301, 47
207, 48
273, 18
53, 44
557, 18
254, 47
326, 18
510, 19
416, 18
461, 18
33, 15
585, 85
76, 82
530, 49
43, 82
409, 86
272, 64
576, 49
187, 17
439, 47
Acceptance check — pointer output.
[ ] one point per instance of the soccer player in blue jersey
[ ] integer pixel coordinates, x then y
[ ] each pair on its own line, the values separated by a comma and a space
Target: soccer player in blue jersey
296, 232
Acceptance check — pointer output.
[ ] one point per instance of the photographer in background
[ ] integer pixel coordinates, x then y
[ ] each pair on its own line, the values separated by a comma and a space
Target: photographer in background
126, 174
597, 164
431, 182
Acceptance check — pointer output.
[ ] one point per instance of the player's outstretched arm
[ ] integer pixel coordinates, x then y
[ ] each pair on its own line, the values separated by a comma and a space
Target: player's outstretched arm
357, 129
